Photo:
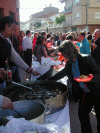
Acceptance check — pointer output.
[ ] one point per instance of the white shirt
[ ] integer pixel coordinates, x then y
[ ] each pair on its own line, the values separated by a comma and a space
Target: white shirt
26, 43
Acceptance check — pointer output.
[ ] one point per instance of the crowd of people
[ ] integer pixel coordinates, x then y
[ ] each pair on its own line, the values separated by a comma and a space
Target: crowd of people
19, 52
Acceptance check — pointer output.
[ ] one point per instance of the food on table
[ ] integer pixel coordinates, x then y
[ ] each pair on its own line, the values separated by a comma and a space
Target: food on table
38, 92
57, 66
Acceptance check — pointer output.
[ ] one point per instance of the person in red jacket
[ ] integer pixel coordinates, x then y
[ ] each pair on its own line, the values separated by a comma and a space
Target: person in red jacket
36, 34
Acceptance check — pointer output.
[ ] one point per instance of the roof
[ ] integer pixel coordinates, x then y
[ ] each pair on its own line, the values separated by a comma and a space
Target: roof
47, 12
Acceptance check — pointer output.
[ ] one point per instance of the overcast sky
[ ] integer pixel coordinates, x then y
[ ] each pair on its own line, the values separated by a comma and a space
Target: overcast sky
28, 7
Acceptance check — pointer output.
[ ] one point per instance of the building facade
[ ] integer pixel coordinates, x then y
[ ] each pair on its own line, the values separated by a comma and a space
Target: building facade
44, 17
24, 26
10, 8
82, 15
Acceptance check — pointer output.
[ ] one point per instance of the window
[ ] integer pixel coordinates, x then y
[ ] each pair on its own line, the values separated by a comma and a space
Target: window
76, 2
97, 15
77, 16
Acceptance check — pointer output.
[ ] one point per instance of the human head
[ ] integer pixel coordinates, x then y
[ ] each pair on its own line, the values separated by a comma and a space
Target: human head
96, 34
52, 39
74, 34
48, 35
28, 33
40, 40
81, 36
43, 33
45, 41
22, 33
60, 37
68, 49
7, 26
63, 36
69, 37
89, 37
88, 32
36, 34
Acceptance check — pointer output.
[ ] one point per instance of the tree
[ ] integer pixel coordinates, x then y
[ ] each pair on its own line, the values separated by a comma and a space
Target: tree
60, 19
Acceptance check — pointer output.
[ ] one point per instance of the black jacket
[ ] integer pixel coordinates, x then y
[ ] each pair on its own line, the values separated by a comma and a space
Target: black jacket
15, 46
5, 52
87, 65
96, 53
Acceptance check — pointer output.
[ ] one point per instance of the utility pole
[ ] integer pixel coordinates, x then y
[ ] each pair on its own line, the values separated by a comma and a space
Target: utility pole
86, 13
86, 16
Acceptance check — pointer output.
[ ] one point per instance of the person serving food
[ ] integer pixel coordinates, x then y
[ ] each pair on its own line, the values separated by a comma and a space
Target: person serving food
89, 93
7, 27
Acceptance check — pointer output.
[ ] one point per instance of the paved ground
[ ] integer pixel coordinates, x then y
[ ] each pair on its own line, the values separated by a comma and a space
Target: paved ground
73, 109
75, 123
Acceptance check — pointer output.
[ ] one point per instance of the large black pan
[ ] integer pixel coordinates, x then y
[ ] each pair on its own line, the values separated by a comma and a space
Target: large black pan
14, 90
55, 103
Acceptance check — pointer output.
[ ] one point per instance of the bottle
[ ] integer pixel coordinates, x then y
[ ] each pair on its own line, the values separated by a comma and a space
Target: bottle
8, 76
6, 69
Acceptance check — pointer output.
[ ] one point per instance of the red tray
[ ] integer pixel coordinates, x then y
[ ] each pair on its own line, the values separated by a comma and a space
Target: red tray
90, 76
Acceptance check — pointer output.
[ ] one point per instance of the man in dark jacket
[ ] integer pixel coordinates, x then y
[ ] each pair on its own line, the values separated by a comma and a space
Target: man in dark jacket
89, 92
95, 52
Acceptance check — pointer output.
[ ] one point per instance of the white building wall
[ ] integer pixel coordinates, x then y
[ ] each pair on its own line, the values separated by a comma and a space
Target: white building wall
53, 18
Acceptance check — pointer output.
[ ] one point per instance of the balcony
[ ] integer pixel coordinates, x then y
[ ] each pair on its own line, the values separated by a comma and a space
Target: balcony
67, 10
66, 23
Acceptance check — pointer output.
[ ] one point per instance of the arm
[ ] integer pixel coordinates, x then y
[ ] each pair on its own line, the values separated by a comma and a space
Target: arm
5, 103
62, 73
19, 62
59, 75
95, 70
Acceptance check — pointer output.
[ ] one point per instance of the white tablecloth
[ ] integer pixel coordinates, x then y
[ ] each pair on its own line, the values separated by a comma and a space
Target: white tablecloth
58, 122
61, 119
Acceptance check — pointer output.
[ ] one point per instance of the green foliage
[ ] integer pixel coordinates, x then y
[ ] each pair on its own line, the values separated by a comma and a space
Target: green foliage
37, 24
60, 19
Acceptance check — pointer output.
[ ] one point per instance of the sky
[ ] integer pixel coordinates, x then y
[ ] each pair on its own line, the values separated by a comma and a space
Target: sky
28, 7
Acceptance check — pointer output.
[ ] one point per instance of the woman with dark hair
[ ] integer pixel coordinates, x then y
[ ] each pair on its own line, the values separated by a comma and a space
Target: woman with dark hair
39, 49
89, 93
